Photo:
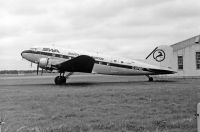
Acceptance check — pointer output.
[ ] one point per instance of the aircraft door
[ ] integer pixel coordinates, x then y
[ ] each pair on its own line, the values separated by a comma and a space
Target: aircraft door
102, 68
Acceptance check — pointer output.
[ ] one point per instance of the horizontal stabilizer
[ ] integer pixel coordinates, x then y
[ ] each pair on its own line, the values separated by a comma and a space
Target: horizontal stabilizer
160, 71
81, 63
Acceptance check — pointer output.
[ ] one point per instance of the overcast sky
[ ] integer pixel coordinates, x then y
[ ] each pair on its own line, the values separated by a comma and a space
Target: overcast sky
127, 28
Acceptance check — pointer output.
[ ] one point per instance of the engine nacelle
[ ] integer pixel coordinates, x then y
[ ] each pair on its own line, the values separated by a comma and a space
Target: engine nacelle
44, 62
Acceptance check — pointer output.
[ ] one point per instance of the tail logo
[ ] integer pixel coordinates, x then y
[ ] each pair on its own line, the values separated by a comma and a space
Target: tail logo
159, 55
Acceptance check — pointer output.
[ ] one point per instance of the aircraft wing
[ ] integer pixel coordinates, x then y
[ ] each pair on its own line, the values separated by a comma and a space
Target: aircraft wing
82, 63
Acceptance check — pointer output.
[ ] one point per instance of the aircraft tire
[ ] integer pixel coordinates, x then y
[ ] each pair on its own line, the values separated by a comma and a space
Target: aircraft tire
59, 80
150, 79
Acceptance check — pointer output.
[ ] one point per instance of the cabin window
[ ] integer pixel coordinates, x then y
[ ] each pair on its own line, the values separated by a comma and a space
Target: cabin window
55, 50
66, 57
104, 63
45, 49
180, 62
198, 60
57, 55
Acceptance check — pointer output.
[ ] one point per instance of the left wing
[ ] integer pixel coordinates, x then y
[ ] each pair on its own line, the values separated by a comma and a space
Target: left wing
82, 63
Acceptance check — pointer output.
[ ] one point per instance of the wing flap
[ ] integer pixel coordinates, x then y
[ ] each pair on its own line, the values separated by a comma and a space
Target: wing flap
82, 63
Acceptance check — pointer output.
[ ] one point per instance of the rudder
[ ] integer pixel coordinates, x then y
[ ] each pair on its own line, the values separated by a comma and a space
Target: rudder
161, 56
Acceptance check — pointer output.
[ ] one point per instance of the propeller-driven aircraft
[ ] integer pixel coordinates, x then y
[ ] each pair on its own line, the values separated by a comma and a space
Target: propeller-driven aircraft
158, 62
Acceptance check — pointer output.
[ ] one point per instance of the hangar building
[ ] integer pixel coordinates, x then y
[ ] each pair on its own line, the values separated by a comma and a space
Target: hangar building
186, 57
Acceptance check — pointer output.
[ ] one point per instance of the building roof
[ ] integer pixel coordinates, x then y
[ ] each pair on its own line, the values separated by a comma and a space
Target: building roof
186, 43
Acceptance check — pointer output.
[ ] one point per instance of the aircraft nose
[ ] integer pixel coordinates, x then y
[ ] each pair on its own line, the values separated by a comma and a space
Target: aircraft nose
23, 54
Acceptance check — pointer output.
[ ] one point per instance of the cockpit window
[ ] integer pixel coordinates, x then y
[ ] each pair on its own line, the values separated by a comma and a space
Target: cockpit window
51, 50
34, 49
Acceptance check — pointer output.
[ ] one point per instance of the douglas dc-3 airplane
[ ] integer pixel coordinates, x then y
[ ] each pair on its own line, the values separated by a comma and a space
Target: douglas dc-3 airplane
65, 60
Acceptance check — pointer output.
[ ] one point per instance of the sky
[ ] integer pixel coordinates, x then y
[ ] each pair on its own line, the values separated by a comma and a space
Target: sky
126, 28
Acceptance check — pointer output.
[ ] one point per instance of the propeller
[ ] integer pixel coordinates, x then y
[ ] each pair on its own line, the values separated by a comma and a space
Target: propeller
2, 120
38, 68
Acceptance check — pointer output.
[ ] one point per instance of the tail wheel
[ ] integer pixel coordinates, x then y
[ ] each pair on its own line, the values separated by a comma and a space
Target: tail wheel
150, 79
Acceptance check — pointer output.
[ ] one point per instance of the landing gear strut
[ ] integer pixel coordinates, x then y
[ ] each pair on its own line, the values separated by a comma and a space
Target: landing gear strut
150, 78
60, 80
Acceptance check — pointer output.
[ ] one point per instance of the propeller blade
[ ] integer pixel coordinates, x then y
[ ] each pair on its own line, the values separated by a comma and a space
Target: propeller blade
42, 72
2, 117
38, 68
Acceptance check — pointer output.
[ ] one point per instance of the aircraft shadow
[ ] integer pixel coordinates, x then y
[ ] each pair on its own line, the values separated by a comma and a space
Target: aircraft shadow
114, 83
93, 83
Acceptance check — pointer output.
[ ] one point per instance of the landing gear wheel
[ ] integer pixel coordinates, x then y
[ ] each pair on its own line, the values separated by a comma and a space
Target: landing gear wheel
59, 80
150, 79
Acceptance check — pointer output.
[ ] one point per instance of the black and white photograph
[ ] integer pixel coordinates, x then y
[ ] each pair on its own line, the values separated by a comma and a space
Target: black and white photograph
99, 66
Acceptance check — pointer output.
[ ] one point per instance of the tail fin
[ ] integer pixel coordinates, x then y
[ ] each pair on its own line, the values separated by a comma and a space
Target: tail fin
161, 56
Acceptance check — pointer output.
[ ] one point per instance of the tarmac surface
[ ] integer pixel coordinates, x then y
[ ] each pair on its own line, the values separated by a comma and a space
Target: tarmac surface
100, 103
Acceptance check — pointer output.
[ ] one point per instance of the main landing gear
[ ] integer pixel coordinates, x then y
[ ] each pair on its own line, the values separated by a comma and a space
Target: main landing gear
150, 78
60, 80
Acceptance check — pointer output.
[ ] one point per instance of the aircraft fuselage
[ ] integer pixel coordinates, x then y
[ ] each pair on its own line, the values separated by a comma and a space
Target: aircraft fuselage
103, 64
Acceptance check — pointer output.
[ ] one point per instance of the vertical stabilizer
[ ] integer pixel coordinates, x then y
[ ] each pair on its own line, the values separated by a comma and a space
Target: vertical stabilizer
161, 56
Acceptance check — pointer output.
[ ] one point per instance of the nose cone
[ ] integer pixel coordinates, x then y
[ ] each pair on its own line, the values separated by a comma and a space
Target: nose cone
25, 53
29, 55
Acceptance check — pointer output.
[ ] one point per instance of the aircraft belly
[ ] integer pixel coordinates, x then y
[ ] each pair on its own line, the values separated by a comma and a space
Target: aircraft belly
124, 71
110, 70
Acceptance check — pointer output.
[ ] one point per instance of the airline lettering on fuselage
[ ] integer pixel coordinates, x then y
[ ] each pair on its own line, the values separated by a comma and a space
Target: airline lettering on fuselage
98, 58
76, 54
137, 68
51, 50
73, 54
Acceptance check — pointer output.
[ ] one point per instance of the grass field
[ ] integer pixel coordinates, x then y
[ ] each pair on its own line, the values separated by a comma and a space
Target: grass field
100, 103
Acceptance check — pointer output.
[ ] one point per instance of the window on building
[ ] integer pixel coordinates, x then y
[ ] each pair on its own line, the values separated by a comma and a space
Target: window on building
180, 62
198, 60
